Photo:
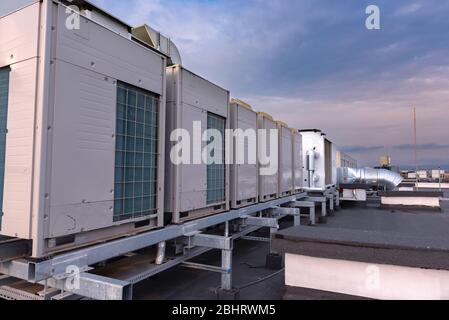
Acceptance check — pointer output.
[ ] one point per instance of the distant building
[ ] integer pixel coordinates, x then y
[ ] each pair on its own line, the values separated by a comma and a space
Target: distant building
345, 161
385, 161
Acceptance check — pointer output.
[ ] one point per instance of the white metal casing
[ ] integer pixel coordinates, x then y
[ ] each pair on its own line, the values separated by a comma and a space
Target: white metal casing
438, 174
190, 98
244, 176
298, 166
423, 174
60, 154
285, 160
268, 184
325, 174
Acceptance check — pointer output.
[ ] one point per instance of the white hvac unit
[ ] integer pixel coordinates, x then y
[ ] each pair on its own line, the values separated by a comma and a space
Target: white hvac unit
319, 156
82, 147
438, 175
411, 175
297, 162
285, 159
269, 161
244, 168
423, 175
194, 187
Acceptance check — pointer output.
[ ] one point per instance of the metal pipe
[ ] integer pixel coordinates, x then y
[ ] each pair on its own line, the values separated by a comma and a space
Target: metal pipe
160, 253
384, 177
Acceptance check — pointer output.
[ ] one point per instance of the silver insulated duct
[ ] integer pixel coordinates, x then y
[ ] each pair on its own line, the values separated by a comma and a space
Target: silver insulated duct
391, 180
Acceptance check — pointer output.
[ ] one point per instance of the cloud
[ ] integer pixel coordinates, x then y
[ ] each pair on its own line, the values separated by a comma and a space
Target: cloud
428, 146
408, 9
361, 149
314, 64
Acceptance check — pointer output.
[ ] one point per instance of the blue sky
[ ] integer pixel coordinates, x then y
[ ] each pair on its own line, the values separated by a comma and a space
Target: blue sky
313, 64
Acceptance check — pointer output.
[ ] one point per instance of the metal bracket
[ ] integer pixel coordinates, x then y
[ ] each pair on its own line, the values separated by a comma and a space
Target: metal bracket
94, 287
261, 222
295, 212
208, 241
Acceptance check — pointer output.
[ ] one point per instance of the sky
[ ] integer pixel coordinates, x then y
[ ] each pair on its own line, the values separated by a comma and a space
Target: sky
314, 64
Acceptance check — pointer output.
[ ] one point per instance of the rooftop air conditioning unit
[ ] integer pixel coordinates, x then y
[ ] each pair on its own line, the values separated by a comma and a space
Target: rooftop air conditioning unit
319, 156
244, 170
81, 131
268, 178
195, 188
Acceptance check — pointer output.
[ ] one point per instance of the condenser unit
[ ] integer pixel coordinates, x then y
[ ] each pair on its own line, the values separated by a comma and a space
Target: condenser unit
268, 158
244, 168
285, 159
319, 156
195, 187
82, 130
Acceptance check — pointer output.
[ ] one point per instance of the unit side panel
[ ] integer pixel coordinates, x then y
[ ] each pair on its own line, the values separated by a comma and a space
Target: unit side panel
297, 161
268, 185
285, 160
246, 172
83, 151
193, 177
19, 150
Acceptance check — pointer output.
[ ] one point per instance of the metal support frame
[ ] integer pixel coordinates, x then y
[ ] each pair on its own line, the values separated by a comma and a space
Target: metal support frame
306, 204
53, 272
323, 201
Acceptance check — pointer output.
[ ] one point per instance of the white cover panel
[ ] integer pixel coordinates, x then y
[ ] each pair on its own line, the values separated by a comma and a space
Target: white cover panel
96, 48
297, 161
19, 150
193, 184
83, 151
244, 181
285, 160
268, 185
19, 35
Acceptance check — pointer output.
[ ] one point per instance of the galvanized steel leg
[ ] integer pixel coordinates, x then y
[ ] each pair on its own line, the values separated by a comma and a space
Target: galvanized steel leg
331, 202
226, 263
312, 216
324, 208
272, 232
297, 218
337, 199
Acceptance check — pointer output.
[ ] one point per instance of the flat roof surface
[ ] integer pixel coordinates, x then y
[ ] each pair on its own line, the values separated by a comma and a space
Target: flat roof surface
249, 257
415, 239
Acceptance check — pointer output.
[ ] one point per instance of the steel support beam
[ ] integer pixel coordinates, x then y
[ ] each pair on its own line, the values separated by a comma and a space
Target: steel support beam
199, 266
94, 287
261, 222
208, 241
102, 252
